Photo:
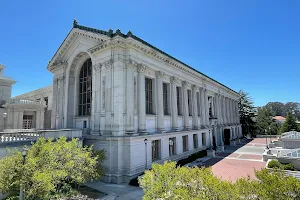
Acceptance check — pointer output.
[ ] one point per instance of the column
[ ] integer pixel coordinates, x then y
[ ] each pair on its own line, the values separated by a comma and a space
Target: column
224, 110
15, 122
232, 111
42, 117
227, 110
107, 99
195, 107
203, 109
97, 98
20, 121
185, 105
174, 111
141, 99
130, 67
37, 119
160, 105
206, 116
9, 119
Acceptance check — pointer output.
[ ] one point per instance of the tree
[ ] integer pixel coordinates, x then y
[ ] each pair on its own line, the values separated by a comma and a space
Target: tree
277, 108
289, 124
247, 113
51, 168
265, 121
168, 182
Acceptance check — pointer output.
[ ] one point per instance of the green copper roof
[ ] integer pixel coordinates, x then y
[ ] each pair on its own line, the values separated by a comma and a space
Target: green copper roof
129, 34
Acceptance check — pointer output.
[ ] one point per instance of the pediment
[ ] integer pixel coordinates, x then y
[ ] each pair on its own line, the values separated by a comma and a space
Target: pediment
75, 37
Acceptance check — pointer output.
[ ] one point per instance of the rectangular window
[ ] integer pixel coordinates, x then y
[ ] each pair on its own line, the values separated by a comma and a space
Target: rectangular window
195, 140
165, 98
185, 144
203, 139
149, 96
190, 102
178, 94
27, 121
84, 124
46, 100
172, 146
155, 150
210, 106
198, 104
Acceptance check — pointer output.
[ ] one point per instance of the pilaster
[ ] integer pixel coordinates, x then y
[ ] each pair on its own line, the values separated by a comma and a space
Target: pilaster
174, 111
141, 99
195, 107
185, 106
130, 68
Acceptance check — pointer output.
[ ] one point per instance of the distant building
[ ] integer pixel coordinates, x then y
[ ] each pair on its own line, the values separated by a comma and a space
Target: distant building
279, 119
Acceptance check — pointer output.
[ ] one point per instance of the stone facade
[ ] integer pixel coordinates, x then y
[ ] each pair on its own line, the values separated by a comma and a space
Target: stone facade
180, 111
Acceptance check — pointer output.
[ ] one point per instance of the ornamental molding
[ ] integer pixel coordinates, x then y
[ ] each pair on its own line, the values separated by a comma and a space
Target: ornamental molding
141, 68
174, 79
159, 74
131, 64
97, 67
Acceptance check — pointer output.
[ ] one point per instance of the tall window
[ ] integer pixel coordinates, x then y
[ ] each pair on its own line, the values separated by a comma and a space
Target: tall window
210, 106
190, 102
203, 139
195, 140
198, 103
155, 149
85, 88
178, 93
172, 145
165, 98
149, 96
185, 144
27, 121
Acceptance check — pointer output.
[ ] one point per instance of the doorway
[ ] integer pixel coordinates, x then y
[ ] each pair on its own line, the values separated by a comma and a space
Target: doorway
227, 136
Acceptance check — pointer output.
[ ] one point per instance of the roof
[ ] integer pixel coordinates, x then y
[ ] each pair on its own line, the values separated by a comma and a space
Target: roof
280, 118
129, 34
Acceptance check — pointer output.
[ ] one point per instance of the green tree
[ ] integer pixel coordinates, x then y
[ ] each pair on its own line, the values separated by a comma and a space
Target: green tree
247, 113
289, 124
277, 108
265, 121
168, 182
51, 168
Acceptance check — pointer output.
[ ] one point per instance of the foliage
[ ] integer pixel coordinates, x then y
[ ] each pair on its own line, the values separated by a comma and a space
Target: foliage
247, 113
280, 109
265, 122
289, 124
274, 164
170, 182
289, 166
51, 168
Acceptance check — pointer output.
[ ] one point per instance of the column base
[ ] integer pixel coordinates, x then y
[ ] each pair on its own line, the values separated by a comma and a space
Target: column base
142, 132
176, 129
187, 128
162, 130
130, 132
221, 148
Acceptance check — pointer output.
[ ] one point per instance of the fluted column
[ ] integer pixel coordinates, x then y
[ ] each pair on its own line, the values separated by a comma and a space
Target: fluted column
202, 108
221, 109
97, 97
194, 107
130, 68
185, 105
206, 117
227, 110
141, 99
231, 112
174, 111
160, 105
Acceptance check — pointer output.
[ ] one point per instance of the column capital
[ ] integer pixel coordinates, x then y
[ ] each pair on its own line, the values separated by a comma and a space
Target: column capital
131, 64
174, 79
141, 68
108, 64
97, 67
195, 87
159, 74
186, 83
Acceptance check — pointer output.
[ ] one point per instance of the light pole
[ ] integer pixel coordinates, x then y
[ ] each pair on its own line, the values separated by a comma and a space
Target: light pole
266, 138
24, 154
146, 152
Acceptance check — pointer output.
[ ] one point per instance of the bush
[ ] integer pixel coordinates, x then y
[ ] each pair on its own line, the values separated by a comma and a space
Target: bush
289, 166
51, 169
274, 164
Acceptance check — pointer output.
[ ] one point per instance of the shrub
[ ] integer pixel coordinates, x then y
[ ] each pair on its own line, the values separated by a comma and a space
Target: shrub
51, 168
289, 166
274, 164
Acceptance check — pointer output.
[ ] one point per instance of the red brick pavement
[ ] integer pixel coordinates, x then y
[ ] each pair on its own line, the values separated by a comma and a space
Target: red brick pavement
231, 169
251, 156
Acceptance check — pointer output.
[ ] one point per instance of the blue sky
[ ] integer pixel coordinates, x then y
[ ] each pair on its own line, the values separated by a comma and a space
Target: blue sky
251, 45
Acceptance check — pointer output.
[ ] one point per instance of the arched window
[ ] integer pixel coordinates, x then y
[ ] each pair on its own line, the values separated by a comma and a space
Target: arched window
85, 88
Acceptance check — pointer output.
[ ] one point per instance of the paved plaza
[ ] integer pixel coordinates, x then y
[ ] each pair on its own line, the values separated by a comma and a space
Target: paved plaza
239, 161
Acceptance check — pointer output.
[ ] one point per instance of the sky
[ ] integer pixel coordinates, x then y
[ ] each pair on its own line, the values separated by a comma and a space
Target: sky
250, 45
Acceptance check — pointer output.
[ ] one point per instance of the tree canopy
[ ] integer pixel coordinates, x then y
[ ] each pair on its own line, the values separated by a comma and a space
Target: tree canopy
170, 182
50, 170
247, 113
289, 124
265, 122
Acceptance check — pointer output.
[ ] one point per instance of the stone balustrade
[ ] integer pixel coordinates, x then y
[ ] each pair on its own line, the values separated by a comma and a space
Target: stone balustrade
25, 101
19, 136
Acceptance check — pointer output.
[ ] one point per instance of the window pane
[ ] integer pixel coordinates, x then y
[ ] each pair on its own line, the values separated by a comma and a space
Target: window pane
85, 88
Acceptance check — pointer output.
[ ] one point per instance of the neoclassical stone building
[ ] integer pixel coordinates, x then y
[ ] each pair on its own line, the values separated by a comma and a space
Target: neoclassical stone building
137, 102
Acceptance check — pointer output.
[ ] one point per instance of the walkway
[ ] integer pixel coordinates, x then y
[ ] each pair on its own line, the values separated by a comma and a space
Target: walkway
239, 161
